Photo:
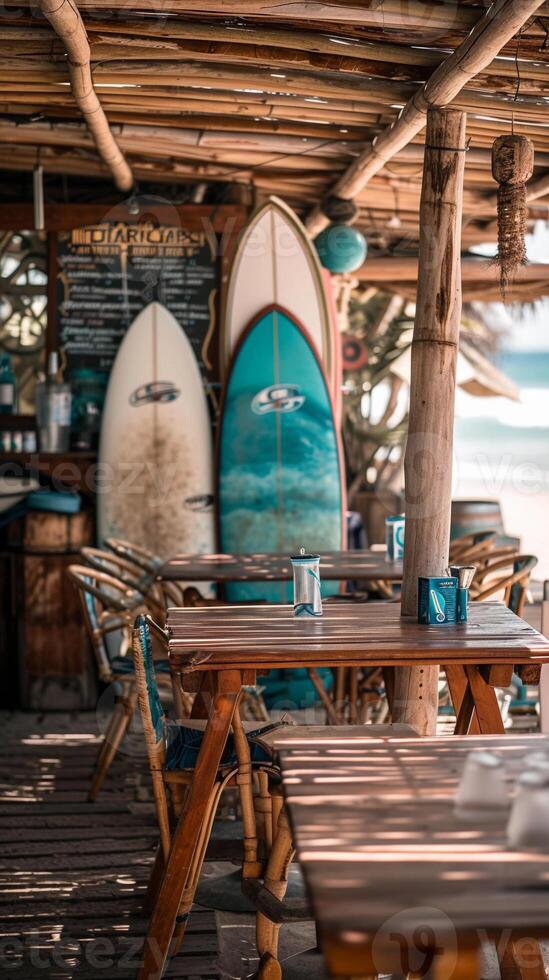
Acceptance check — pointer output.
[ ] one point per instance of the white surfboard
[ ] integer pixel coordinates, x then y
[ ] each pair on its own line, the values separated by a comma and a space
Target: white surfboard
155, 453
275, 263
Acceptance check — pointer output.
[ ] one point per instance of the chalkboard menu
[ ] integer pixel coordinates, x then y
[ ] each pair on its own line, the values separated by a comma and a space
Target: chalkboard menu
109, 272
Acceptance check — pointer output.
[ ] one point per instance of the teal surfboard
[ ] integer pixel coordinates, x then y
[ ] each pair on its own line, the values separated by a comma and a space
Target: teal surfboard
280, 467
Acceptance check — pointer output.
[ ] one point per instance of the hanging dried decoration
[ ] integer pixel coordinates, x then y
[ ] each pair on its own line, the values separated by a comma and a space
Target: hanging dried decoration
512, 167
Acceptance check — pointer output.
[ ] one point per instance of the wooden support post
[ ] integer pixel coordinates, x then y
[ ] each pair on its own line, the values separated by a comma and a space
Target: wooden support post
428, 461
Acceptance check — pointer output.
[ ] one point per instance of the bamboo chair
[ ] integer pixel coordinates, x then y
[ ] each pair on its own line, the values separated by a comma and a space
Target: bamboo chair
509, 575
109, 606
172, 749
130, 574
172, 771
501, 573
145, 559
149, 563
471, 548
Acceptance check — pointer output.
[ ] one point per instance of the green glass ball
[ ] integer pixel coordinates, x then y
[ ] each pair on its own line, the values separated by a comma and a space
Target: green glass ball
341, 248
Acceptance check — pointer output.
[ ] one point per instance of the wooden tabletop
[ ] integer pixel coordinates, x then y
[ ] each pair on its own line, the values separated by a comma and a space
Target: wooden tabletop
265, 637
369, 565
379, 840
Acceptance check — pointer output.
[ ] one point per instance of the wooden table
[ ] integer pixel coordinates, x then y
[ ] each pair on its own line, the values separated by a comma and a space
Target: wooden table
368, 566
225, 647
365, 566
393, 873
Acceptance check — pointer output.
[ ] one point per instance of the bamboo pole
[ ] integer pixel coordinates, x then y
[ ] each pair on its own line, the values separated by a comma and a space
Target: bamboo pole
428, 460
67, 23
500, 23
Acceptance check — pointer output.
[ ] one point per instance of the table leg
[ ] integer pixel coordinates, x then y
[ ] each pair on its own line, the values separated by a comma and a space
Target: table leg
225, 688
465, 713
479, 698
339, 693
353, 695
389, 681
486, 703
200, 704
462, 963
522, 959
457, 685
331, 714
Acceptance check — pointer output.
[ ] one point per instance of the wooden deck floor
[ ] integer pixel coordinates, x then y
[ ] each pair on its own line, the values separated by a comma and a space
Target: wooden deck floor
72, 873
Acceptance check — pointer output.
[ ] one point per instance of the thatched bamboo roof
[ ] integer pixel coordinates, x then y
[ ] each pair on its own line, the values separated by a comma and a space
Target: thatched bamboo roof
284, 96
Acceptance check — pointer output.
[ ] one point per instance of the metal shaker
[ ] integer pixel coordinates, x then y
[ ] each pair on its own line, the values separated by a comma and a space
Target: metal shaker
307, 598
465, 575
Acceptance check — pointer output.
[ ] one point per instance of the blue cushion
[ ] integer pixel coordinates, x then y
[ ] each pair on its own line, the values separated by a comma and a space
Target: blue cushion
59, 501
184, 745
124, 665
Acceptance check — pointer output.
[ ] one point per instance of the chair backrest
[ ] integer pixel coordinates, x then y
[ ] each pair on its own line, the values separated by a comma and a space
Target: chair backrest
503, 551
152, 718
122, 569
152, 712
131, 574
107, 605
138, 555
472, 547
510, 575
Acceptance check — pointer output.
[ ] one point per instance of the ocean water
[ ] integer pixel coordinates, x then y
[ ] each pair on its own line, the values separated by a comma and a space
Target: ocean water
502, 450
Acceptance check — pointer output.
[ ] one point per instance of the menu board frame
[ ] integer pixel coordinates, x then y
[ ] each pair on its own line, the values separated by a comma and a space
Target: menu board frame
224, 221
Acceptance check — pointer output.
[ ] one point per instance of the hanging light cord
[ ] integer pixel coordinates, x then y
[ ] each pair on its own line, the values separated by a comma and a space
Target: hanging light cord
519, 80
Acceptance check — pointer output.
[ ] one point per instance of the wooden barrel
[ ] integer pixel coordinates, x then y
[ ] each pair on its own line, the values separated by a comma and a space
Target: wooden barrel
56, 669
469, 516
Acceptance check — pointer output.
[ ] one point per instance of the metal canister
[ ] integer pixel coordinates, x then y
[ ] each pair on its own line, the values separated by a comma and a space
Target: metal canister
465, 575
307, 598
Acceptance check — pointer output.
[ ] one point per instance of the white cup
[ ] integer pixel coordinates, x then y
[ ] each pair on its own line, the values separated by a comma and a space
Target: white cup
528, 825
482, 785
